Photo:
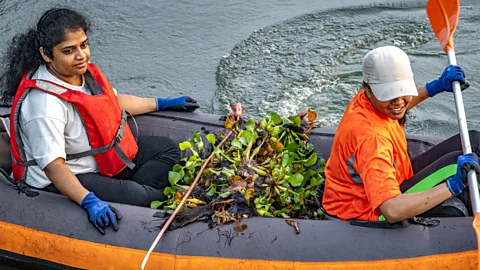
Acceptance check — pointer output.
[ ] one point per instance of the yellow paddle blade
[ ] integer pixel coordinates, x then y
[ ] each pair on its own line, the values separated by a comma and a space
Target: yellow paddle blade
443, 16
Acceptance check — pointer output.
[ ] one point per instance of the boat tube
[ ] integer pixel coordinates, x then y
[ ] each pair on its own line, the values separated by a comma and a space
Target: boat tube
49, 231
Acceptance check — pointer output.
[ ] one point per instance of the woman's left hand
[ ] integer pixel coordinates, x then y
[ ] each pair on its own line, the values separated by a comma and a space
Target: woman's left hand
182, 103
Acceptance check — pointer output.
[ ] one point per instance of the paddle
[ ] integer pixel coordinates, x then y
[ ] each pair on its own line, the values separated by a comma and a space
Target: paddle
443, 16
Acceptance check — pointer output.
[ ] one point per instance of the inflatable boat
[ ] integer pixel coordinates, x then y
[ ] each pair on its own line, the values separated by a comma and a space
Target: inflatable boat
49, 231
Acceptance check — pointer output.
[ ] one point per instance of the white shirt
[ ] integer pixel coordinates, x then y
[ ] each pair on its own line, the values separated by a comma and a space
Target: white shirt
51, 128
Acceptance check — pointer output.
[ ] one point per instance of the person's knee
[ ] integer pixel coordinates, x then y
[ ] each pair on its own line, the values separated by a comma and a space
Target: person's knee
141, 195
171, 149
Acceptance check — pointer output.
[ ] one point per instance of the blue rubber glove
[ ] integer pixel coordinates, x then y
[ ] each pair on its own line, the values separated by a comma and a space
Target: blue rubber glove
444, 83
182, 103
459, 181
100, 213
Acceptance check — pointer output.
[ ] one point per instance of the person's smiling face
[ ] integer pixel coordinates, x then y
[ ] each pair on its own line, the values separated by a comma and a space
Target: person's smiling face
394, 109
70, 57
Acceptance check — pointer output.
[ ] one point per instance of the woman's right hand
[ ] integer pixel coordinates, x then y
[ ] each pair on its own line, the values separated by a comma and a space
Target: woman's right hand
100, 213
459, 181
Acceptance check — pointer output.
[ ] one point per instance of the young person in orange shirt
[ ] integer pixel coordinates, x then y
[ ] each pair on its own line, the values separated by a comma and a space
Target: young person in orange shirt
369, 172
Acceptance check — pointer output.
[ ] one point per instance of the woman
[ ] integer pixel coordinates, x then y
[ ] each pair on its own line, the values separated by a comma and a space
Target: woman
68, 125
369, 172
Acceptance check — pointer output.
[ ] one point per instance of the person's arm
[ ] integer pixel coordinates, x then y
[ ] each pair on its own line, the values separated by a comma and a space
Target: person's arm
422, 95
136, 105
100, 213
405, 206
375, 165
65, 181
442, 84
44, 134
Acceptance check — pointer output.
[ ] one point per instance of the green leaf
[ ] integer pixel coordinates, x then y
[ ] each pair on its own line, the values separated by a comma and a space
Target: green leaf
261, 212
293, 155
275, 118
236, 143
323, 163
243, 141
169, 191
170, 207
228, 172
296, 179
185, 145
225, 194
292, 147
286, 121
177, 168
174, 177
286, 160
200, 145
296, 120
211, 138
183, 187
311, 160
314, 182
263, 123
248, 135
197, 135
250, 124
211, 190
156, 204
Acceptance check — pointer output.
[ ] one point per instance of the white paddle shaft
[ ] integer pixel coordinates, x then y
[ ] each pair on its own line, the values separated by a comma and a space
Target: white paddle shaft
464, 137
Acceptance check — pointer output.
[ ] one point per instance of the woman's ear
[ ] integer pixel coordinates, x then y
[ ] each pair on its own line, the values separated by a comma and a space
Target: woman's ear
44, 55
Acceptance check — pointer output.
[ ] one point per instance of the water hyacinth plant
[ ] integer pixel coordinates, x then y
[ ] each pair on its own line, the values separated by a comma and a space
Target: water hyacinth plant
266, 170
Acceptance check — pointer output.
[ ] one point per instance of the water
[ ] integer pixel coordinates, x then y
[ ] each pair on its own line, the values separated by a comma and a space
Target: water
271, 55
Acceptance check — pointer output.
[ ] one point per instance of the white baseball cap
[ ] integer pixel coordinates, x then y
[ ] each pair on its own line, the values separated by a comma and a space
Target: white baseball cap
388, 72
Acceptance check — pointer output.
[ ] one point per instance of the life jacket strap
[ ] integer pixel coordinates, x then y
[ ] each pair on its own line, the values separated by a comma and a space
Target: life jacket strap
114, 143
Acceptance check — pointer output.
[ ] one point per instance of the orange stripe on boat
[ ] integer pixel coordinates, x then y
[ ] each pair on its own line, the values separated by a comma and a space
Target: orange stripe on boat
90, 255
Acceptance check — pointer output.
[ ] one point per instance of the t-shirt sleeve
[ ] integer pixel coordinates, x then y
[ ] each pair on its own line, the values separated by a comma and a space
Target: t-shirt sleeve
44, 119
374, 163
45, 135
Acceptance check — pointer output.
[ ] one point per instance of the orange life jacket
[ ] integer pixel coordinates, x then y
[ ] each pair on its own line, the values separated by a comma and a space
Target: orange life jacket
112, 142
368, 162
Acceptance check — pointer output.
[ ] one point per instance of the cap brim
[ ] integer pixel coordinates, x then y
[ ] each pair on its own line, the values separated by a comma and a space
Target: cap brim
392, 90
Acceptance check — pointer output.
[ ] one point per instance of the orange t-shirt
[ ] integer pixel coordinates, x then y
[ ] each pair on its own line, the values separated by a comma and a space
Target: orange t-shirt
368, 162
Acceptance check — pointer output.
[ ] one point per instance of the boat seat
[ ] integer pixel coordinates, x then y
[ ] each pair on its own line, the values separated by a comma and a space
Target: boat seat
5, 154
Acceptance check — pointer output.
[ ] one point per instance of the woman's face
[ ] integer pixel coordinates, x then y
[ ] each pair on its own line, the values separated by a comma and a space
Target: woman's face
395, 108
70, 57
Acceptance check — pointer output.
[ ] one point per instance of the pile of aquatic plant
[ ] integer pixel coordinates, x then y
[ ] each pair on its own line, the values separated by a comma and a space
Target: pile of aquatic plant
268, 168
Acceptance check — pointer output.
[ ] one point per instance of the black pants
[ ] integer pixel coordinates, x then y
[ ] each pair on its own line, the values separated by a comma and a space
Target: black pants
142, 185
440, 158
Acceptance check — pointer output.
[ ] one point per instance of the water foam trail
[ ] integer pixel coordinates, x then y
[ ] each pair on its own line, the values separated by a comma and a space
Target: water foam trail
315, 60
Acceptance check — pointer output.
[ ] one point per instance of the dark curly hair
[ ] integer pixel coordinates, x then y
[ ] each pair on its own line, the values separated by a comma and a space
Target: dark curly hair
24, 54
